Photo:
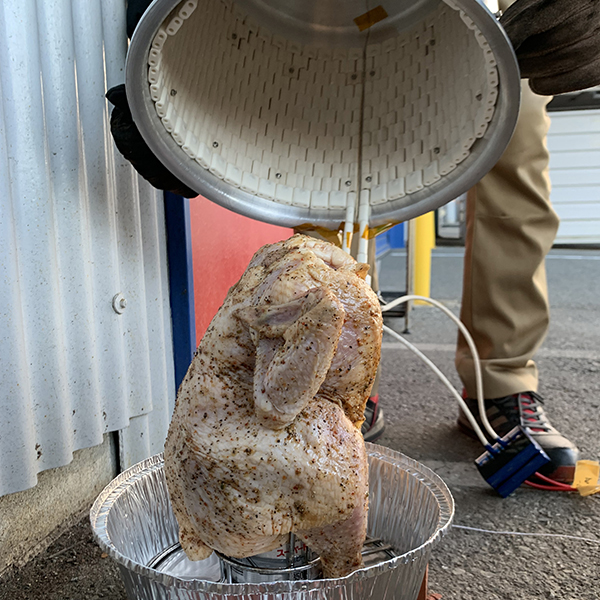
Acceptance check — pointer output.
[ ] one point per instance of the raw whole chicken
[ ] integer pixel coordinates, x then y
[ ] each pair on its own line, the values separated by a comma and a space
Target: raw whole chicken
265, 436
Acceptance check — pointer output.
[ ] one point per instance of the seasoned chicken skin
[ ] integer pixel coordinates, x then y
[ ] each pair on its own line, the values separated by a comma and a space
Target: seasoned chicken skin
264, 439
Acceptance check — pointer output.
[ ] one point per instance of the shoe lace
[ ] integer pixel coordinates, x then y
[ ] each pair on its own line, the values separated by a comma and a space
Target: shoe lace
531, 412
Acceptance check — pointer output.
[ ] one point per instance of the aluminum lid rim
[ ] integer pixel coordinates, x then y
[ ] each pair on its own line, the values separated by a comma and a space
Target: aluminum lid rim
470, 171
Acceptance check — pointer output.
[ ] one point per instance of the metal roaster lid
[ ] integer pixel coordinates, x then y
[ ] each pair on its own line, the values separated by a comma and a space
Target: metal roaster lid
300, 112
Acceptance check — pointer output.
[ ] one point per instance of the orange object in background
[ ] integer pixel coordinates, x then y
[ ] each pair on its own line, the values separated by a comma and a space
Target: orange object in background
223, 243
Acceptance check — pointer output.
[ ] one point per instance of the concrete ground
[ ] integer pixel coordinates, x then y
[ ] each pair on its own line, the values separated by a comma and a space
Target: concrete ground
420, 416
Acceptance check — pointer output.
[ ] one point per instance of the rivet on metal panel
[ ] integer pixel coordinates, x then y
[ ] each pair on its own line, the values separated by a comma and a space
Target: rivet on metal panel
119, 303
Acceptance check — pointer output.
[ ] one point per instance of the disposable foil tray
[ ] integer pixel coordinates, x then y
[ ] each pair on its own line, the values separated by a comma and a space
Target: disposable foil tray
410, 508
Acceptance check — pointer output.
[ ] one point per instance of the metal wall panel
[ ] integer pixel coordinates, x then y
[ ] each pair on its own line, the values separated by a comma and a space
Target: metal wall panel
77, 227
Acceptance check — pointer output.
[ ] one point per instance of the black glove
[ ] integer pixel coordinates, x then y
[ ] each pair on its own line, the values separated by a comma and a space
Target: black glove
132, 146
128, 139
557, 43
135, 10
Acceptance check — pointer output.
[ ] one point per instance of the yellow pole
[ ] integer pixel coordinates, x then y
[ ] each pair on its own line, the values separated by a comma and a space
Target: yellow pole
424, 244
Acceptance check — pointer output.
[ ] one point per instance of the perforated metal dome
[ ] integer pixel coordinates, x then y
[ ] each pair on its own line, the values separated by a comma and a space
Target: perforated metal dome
296, 112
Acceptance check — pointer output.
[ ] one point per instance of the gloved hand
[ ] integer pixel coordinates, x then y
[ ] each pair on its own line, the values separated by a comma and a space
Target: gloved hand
128, 139
132, 146
135, 10
557, 43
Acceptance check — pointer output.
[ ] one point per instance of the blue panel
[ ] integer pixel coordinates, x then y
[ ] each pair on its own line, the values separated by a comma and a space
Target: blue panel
392, 239
396, 236
181, 282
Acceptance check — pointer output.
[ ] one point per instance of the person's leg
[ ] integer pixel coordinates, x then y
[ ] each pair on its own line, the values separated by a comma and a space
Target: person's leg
510, 228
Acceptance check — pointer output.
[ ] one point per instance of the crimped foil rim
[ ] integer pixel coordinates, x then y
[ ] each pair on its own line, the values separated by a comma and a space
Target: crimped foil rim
103, 504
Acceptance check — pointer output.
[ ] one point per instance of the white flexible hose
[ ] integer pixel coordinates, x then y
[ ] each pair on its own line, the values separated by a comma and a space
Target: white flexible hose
445, 381
476, 362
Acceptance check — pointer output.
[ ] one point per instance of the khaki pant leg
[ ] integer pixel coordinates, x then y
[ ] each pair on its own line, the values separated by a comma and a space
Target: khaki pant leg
510, 228
504, 4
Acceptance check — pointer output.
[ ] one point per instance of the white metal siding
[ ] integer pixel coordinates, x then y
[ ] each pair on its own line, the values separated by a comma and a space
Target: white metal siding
77, 226
574, 143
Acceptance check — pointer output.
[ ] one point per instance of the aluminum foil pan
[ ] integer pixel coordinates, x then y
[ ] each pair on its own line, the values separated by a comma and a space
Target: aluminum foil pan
410, 508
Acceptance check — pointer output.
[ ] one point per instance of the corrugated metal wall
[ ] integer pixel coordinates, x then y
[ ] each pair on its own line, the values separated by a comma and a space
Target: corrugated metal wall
574, 143
77, 227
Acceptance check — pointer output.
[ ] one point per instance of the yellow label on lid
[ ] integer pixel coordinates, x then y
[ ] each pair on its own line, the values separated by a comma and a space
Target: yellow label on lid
370, 18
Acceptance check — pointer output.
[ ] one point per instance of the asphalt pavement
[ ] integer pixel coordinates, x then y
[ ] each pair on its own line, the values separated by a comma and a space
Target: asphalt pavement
535, 544
532, 545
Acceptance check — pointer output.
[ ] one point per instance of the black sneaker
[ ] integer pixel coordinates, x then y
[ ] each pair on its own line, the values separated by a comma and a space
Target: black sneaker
374, 425
525, 409
386, 298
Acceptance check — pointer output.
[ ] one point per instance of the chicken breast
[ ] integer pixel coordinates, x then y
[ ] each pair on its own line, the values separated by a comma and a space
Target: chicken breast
265, 436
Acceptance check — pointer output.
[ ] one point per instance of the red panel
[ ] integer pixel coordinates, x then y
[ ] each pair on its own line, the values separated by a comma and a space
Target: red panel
223, 243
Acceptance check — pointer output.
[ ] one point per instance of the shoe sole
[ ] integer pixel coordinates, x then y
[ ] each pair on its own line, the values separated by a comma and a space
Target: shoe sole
377, 430
564, 474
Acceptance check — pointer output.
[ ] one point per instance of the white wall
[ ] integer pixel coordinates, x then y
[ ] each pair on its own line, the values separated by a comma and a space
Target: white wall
33, 519
77, 227
574, 144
